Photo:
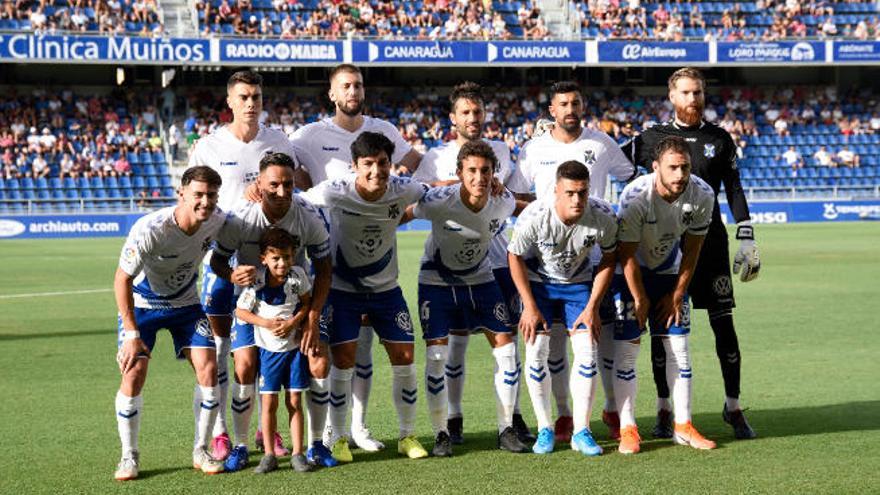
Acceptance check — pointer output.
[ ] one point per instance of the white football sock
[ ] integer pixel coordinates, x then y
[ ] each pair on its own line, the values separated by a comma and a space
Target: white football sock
207, 415
242, 410
506, 384
128, 421
557, 362
538, 378
455, 365
606, 367
223, 346
340, 390
625, 380
518, 386
435, 386
678, 374
404, 389
318, 400
362, 380
583, 379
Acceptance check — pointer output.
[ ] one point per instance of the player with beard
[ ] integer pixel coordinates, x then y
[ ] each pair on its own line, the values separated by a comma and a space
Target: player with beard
324, 150
569, 140
439, 168
714, 160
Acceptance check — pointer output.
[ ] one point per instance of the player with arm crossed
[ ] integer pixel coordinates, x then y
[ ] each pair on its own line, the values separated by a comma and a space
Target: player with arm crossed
324, 150
155, 288
714, 160
240, 237
567, 140
457, 290
439, 168
551, 267
664, 217
365, 209
234, 151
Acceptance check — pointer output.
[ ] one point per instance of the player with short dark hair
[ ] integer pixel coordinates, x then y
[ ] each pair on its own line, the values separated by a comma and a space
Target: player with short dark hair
714, 160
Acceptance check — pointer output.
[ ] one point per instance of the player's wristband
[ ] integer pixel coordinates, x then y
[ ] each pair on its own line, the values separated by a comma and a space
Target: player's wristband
130, 334
745, 232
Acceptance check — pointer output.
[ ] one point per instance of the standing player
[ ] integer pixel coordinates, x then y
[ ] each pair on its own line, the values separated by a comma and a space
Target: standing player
457, 290
439, 167
234, 151
551, 267
664, 217
240, 237
365, 210
714, 160
569, 140
155, 288
324, 150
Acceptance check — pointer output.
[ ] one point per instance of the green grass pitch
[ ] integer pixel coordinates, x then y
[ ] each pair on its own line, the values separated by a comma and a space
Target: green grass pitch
811, 379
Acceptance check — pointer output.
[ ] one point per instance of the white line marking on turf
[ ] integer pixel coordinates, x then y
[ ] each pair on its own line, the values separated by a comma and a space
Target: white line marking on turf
62, 293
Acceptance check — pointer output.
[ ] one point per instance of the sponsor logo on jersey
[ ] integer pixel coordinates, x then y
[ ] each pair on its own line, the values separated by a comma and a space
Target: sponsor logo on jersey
228, 164
721, 286
404, 322
330, 148
548, 162
709, 150
500, 312
371, 239
203, 328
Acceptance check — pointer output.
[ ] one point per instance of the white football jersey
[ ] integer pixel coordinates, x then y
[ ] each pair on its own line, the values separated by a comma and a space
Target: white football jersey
164, 260
541, 156
237, 162
456, 252
557, 253
324, 148
245, 225
363, 234
658, 225
275, 302
440, 163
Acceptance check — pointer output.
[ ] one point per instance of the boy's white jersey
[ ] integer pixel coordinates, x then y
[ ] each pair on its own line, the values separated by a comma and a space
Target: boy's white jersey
240, 235
363, 234
541, 156
456, 252
557, 253
164, 260
440, 164
275, 302
658, 225
237, 162
324, 148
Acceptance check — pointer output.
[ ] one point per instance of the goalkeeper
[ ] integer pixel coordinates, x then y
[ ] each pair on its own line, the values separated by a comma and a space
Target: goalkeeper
713, 160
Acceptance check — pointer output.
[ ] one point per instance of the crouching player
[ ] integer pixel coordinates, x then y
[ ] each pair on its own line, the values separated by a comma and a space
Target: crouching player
664, 217
457, 290
155, 288
550, 265
277, 305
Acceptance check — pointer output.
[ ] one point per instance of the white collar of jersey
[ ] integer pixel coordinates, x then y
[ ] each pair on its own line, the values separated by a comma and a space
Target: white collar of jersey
675, 124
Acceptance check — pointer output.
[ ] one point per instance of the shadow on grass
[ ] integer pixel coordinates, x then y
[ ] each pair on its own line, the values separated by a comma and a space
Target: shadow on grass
53, 335
159, 472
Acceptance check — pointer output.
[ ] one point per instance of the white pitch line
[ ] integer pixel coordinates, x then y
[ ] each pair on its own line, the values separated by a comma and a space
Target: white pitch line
46, 294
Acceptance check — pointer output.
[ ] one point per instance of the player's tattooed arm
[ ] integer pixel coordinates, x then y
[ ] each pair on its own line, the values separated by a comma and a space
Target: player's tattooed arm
132, 345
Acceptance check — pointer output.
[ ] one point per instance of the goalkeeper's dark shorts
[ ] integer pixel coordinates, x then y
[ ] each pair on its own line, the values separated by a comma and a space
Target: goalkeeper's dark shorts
712, 287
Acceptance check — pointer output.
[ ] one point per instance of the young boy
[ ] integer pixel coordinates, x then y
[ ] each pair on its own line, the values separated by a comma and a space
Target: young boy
277, 305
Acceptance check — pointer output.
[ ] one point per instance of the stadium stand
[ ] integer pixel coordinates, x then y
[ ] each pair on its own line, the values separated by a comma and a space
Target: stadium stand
143, 17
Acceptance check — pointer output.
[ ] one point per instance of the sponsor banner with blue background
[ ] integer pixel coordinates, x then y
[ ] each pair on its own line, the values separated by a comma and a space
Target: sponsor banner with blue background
86, 49
537, 52
283, 51
856, 51
57, 226
657, 52
408, 52
798, 52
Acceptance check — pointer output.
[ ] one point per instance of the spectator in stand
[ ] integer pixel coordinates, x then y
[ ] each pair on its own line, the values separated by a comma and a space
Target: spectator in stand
847, 157
793, 159
824, 158
40, 167
122, 166
67, 167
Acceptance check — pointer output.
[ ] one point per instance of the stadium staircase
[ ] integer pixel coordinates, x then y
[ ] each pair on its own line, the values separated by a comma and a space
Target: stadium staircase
559, 18
180, 18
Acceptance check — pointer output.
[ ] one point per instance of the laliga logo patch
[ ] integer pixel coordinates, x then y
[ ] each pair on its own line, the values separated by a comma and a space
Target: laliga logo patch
589, 158
721, 285
404, 322
203, 328
501, 313
128, 254
709, 150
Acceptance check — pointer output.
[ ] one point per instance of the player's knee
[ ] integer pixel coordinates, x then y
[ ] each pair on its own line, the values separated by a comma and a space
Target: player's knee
400, 354
436, 355
319, 366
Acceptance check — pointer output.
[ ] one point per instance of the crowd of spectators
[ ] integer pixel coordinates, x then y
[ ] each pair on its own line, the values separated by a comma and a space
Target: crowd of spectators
143, 17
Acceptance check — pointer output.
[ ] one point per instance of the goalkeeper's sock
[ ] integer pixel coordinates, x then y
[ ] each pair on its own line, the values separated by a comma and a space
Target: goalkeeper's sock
727, 348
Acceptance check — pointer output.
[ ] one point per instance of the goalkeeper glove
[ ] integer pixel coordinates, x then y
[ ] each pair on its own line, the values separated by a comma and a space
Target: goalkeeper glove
747, 258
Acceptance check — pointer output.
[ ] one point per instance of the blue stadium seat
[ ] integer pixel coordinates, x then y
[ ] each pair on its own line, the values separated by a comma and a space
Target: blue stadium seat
145, 158
152, 182
111, 182
150, 170
139, 182
125, 181
96, 182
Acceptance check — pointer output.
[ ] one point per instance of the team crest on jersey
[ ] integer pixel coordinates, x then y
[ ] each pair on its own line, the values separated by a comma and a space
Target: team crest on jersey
500, 312
203, 328
393, 210
687, 214
709, 150
404, 322
370, 241
589, 158
722, 286
494, 225
589, 240
206, 244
